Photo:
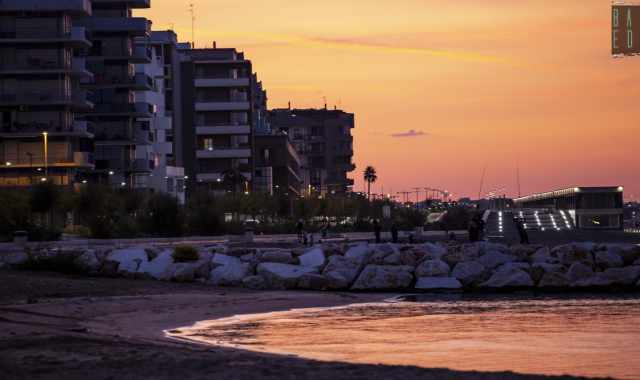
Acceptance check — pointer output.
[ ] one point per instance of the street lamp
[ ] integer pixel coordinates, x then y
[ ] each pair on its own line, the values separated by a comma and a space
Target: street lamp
45, 136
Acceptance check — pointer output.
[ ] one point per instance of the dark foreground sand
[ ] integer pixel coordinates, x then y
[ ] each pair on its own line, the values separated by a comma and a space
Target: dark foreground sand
60, 327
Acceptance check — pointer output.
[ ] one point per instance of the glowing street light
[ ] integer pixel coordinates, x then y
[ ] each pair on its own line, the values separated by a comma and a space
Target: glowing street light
45, 137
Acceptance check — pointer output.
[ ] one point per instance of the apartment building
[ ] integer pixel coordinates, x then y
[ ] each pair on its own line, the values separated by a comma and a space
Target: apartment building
165, 176
122, 135
217, 117
40, 94
277, 166
324, 142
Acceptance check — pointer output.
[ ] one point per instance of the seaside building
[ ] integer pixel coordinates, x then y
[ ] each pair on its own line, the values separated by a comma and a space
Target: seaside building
217, 118
277, 166
123, 140
324, 143
165, 176
593, 208
40, 94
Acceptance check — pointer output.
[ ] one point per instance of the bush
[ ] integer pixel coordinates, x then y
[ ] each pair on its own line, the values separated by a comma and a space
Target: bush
185, 254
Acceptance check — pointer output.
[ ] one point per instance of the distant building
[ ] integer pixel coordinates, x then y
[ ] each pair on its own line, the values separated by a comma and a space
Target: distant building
217, 116
165, 176
123, 140
277, 166
324, 143
40, 74
582, 207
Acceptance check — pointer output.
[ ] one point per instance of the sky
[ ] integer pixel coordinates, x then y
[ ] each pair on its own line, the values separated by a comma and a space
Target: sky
443, 90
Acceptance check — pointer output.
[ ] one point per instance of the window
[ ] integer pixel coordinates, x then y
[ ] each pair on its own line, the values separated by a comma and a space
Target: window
208, 143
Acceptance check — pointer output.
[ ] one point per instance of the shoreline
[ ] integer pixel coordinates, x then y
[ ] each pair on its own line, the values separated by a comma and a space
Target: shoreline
113, 328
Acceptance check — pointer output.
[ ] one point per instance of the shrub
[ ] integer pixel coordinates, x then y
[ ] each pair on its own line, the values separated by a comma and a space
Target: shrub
185, 254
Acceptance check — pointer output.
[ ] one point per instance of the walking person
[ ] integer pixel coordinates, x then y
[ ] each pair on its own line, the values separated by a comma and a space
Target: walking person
394, 233
300, 230
522, 231
377, 230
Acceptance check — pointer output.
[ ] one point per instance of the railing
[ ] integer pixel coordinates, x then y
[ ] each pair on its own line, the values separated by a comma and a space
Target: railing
124, 108
36, 64
36, 159
34, 98
78, 126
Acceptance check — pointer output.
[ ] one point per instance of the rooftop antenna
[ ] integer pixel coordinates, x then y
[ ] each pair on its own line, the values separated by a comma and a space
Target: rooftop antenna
193, 20
324, 98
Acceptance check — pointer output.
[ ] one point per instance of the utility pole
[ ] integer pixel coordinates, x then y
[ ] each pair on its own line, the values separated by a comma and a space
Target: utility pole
193, 20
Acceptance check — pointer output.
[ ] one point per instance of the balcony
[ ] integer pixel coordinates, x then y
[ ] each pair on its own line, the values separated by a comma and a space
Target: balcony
77, 37
35, 98
141, 166
34, 130
222, 82
59, 160
34, 65
222, 106
137, 82
224, 130
75, 7
224, 152
79, 68
163, 147
134, 26
138, 109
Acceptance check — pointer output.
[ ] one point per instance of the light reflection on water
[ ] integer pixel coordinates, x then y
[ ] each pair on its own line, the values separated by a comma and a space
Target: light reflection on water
585, 336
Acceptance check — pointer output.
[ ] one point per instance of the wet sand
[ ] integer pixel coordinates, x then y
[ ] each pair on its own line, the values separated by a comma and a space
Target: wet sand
60, 327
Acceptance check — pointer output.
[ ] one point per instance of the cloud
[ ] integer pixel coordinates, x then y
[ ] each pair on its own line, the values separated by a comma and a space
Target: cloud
409, 133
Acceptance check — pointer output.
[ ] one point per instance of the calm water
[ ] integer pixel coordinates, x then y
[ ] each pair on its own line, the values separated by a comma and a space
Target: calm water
588, 336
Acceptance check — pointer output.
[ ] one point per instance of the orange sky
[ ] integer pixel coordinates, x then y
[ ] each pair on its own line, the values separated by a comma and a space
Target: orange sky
489, 82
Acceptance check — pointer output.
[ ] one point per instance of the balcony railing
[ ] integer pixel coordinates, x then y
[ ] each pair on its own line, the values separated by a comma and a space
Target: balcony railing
35, 129
36, 64
145, 109
139, 80
138, 26
34, 98
36, 159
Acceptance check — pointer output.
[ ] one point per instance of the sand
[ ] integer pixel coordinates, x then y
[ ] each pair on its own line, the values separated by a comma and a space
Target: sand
55, 326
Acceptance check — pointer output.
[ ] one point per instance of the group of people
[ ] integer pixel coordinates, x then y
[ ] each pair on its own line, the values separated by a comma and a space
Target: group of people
307, 237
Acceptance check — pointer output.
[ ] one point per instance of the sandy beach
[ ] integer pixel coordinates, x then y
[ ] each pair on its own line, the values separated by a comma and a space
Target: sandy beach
55, 326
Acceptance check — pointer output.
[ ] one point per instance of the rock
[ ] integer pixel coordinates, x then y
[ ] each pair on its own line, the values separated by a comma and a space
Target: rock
158, 267
578, 272
598, 280
401, 258
387, 248
231, 273
129, 259
15, 259
359, 253
512, 265
109, 268
622, 276
377, 257
342, 270
183, 272
553, 280
254, 282
576, 252
608, 259
542, 255
282, 276
629, 254
221, 259
433, 268
538, 270
313, 258
312, 281
203, 268
435, 283
511, 278
336, 281
248, 258
469, 273
283, 257
433, 251
494, 259
461, 254
88, 262
384, 277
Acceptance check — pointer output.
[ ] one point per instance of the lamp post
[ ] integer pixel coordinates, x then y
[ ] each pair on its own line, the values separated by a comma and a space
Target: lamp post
45, 136
30, 167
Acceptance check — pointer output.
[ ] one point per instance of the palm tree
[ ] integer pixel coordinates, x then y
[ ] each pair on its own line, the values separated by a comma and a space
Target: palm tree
370, 177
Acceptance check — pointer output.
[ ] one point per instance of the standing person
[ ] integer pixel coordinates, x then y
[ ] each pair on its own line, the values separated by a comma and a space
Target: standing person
473, 230
522, 231
300, 230
325, 229
377, 230
481, 225
394, 233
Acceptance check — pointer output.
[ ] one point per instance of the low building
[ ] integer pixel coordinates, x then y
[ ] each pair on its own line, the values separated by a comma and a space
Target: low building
277, 166
588, 207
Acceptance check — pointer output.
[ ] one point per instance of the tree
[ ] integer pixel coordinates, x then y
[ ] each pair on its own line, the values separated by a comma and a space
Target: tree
233, 179
370, 177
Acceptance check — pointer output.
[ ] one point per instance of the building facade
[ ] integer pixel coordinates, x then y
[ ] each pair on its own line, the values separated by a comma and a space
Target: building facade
122, 135
217, 118
324, 143
277, 166
165, 176
588, 207
40, 94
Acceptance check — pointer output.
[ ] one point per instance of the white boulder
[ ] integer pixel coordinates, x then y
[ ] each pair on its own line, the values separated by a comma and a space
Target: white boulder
435, 283
406, 257
342, 271
511, 278
313, 281
282, 276
433, 268
313, 258
553, 280
494, 259
359, 253
579, 272
433, 251
158, 267
622, 276
129, 259
183, 272
469, 273
283, 257
231, 273
384, 277
88, 261
608, 259
254, 282
542, 255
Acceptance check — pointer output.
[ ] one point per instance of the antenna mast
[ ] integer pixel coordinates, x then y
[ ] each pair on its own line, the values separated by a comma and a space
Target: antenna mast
193, 20
484, 171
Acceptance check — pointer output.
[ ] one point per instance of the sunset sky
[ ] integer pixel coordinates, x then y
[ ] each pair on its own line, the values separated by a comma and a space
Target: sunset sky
479, 82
